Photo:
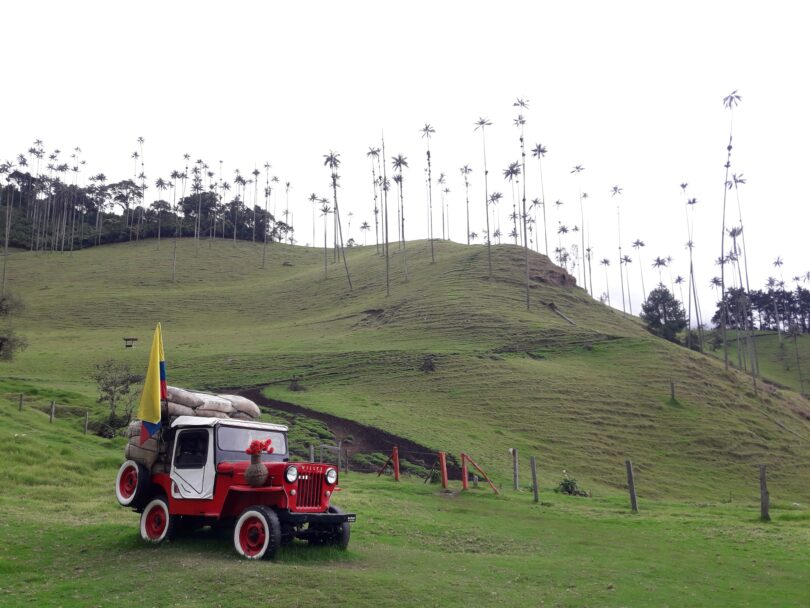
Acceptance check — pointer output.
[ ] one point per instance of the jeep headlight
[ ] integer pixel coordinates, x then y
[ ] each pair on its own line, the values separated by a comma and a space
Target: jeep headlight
331, 476
291, 474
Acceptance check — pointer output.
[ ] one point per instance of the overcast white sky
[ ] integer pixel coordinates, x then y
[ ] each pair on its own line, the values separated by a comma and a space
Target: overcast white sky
630, 90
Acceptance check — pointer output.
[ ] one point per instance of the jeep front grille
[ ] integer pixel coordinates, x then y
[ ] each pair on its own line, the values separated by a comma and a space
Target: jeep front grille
310, 486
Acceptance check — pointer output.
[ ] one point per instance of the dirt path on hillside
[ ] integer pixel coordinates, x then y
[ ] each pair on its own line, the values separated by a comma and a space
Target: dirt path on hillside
365, 439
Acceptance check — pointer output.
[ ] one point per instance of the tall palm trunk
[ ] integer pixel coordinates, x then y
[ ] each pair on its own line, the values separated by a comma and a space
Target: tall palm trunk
525, 233
386, 243
340, 227
376, 207
430, 205
621, 278
486, 202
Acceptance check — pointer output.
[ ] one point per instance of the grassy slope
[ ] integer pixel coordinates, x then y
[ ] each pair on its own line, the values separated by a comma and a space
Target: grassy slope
65, 542
777, 359
580, 397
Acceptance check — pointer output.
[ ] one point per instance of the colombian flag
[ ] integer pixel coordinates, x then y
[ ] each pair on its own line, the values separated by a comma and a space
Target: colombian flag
154, 389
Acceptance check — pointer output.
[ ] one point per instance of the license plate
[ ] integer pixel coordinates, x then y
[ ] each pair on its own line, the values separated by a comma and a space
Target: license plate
351, 518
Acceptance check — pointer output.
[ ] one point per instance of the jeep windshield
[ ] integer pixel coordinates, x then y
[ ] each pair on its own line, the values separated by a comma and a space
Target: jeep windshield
233, 441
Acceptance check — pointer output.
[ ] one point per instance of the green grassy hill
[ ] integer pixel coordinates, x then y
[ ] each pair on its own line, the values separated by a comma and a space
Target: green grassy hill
66, 542
581, 397
785, 362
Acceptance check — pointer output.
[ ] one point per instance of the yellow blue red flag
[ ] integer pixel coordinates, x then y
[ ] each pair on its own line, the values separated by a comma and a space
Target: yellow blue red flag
154, 388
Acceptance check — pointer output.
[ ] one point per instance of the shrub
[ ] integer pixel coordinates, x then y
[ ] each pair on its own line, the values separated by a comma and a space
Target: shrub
568, 485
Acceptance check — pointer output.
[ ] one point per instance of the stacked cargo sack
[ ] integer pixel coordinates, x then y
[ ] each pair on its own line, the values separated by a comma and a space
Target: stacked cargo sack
155, 453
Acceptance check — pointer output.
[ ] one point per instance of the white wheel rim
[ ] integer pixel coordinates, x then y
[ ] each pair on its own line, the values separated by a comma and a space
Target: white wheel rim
147, 531
124, 500
247, 517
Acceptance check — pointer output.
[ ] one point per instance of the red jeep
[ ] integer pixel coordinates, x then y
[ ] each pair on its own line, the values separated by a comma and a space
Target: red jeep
206, 485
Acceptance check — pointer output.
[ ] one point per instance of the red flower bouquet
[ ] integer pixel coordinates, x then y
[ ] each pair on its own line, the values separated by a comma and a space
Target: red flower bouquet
257, 447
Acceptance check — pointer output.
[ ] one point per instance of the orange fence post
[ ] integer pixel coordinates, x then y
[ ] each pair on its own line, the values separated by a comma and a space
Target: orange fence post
395, 459
443, 468
464, 475
480, 470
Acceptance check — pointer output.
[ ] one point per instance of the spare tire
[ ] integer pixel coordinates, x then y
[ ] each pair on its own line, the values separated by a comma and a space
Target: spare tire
132, 484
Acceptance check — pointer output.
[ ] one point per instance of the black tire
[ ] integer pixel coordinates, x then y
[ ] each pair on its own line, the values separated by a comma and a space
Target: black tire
157, 525
342, 532
336, 535
257, 533
132, 485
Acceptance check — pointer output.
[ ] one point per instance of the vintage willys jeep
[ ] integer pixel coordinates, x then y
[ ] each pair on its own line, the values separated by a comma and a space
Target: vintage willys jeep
204, 483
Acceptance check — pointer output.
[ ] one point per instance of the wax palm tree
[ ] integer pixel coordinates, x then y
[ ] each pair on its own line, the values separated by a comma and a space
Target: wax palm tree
256, 173
511, 173
539, 153
266, 222
465, 171
577, 172
606, 262
175, 176
374, 153
441, 181
332, 160
161, 185
473, 236
616, 191
638, 244
225, 187
730, 102
520, 122
399, 163
240, 182
364, 228
325, 211
427, 131
626, 260
446, 203
561, 230
494, 199
482, 123
660, 263
690, 220
313, 198
737, 181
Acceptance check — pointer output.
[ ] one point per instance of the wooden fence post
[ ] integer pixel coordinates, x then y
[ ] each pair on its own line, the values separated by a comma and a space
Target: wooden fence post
672, 389
311, 452
86, 420
764, 497
21, 401
515, 462
464, 472
443, 468
395, 459
533, 462
53, 410
631, 485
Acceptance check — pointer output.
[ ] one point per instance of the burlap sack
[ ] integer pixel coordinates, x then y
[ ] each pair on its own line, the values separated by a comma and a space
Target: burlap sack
212, 402
172, 410
134, 429
183, 397
201, 411
146, 454
241, 416
244, 405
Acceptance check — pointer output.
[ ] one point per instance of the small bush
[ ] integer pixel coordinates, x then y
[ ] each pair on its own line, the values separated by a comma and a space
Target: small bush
568, 485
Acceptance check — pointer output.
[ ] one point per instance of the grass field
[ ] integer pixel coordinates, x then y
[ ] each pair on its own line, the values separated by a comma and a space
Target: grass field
581, 397
65, 542
783, 362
